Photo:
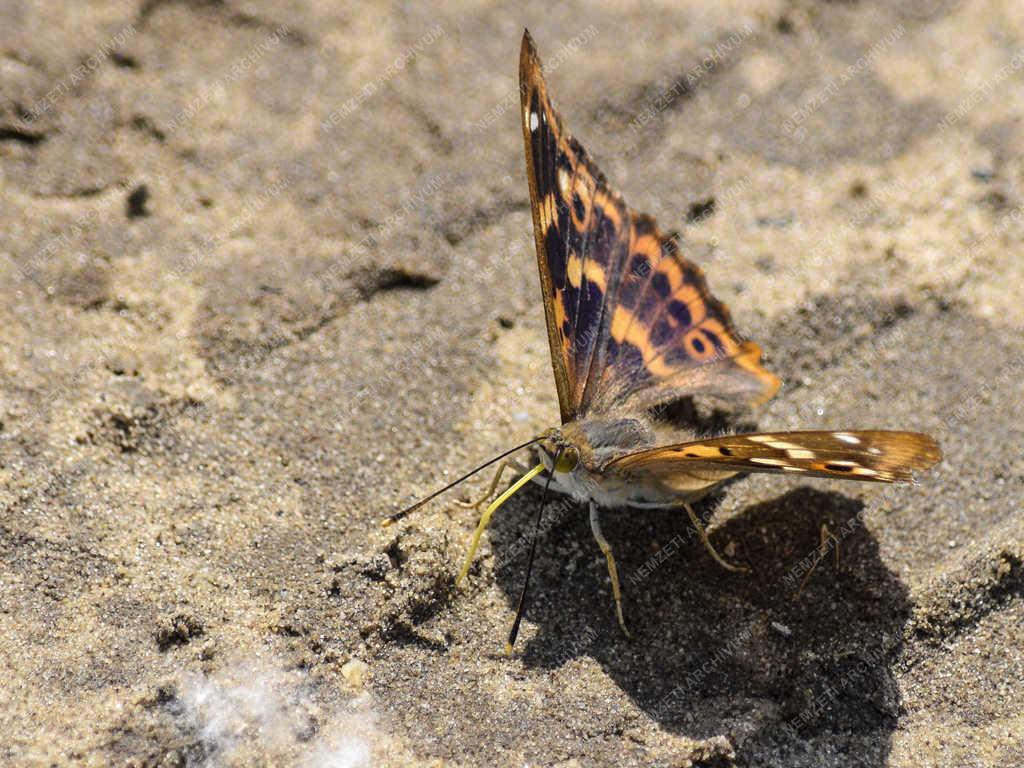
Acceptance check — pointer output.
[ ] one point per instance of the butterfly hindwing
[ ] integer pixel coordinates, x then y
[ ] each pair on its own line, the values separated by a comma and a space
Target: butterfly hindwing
872, 455
631, 323
669, 337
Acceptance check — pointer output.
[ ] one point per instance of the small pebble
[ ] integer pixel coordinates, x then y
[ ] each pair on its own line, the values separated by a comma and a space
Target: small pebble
354, 672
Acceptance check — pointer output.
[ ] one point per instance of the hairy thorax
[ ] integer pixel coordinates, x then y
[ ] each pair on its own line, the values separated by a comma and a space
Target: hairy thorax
598, 442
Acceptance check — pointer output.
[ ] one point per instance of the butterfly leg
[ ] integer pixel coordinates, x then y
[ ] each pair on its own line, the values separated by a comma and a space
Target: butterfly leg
485, 518
602, 542
494, 484
825, 540
707, 543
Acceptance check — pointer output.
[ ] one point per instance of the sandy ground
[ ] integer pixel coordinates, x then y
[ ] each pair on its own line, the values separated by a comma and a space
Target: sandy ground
268, 275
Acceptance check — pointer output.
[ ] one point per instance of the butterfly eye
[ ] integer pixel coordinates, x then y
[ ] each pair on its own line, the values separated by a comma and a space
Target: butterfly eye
568, 460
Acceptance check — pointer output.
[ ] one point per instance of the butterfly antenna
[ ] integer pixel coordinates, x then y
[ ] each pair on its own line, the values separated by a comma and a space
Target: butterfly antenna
514, 632
399, 515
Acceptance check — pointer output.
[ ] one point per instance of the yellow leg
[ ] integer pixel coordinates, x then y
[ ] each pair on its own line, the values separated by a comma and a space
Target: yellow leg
826, 534
602, 542
485, 518
823, 538
494, 484
707, 543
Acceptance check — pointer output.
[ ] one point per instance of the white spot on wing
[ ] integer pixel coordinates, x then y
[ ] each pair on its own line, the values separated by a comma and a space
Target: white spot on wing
800, 454
851, 439
865, 472
534, 122
563, 181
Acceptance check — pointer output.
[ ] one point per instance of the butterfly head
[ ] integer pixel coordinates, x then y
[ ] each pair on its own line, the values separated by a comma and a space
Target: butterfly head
558, 451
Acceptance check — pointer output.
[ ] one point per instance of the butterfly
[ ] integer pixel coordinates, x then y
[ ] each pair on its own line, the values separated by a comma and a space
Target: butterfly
632, 327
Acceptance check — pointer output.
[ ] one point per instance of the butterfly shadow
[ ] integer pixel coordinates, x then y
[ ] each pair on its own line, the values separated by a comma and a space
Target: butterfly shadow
795, 655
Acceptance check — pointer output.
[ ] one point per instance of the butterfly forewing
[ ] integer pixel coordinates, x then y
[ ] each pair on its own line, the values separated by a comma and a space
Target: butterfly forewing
631, 323
878, 456
581, 236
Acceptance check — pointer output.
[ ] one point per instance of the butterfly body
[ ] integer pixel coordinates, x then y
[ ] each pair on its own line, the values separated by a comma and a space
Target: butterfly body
632, 326
598, 442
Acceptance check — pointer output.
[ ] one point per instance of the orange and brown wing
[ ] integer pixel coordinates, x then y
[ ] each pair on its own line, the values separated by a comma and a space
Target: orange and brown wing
871, 455
631, 323
669, 337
